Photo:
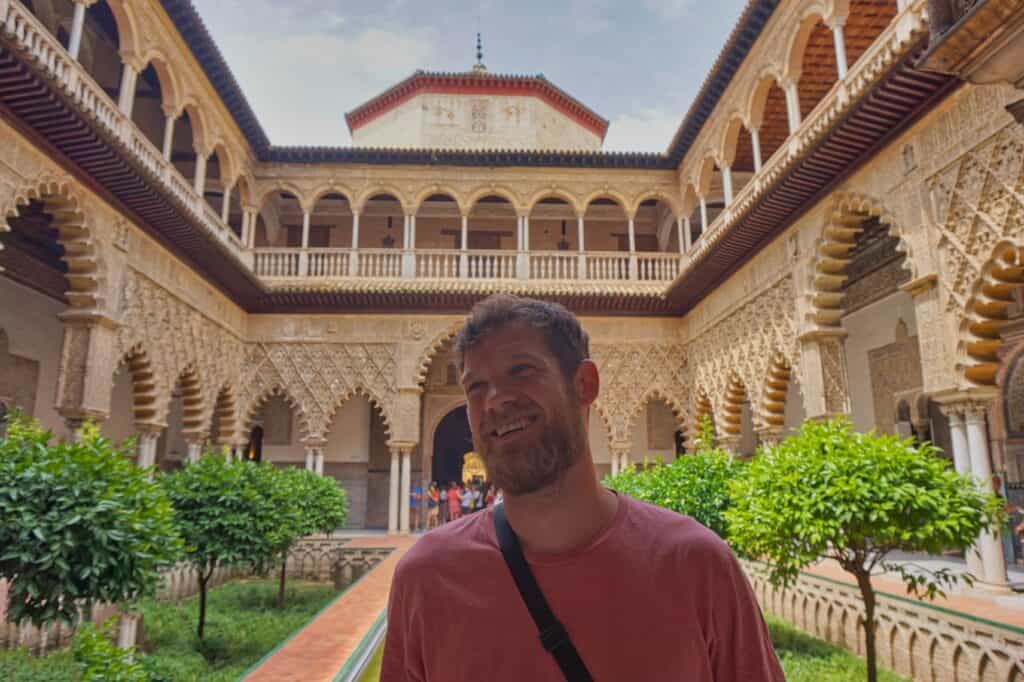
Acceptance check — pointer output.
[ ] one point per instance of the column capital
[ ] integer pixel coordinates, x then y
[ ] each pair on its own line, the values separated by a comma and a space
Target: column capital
195, 437
837, 20
966, 405
769, 435
87, 318
313, 442
149, 429
921, 285
401, 446
815, 335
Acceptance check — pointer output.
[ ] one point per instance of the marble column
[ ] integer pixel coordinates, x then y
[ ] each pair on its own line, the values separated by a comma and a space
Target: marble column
703, 215
581, 268
318, 461
839, 40
310, 466
792, 103
126, 98
195, 446
353, 265
148, 437
687, 235
632, 248
225, 205
393, 492
463, 247
169, 119
77, 24
199, 182
755, 142
726, 171
962, 464
993, 563
406, 489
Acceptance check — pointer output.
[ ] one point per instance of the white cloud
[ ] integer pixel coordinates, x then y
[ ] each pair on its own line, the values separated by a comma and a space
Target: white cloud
645, 130
669, 9
301, 84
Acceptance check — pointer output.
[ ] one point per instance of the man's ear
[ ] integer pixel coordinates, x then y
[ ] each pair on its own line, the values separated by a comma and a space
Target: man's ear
587, 383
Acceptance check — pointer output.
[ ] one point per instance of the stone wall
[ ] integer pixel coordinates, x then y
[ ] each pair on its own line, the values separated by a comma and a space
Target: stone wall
915, 639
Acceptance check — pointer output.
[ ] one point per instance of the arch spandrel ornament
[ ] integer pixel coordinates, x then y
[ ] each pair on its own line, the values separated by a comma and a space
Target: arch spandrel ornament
320, 376
630, 375
176, 337
979, 206
743, 345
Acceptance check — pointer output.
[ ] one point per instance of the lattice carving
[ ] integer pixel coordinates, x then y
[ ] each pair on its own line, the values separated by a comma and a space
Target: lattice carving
743, 344
321, 377
979, 207
630, 376
164, 339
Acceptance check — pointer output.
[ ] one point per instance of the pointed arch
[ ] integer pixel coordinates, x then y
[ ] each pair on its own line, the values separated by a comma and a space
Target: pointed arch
170, 84
985, 314
197, 119
225, 414
252, 409
610, 194
332, 187
193, 401
128, 37
831, 255
383, 406
732, 407
379, 190
435, 190
555, 193
675, 404
85, 275
145, 385
776, 387
672, 202
433, 348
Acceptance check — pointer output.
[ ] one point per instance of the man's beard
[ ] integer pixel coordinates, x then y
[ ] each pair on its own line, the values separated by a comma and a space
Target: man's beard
532, 465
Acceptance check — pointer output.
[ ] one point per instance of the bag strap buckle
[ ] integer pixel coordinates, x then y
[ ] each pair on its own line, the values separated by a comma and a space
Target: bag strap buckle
554, 636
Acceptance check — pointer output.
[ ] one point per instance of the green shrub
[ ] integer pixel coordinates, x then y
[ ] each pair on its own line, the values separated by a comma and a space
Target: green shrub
79, 524
695, 485
100, 660
829, 491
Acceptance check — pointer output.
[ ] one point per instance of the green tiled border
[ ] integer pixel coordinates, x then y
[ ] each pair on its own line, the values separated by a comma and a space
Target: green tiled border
316, 615
364, 650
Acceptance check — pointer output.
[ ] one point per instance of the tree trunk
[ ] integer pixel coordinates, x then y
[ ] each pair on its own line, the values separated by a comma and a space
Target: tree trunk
280, 588
867, 593
202, 605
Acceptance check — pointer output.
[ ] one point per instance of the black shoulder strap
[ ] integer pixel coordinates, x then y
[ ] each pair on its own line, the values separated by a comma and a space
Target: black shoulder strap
553, 636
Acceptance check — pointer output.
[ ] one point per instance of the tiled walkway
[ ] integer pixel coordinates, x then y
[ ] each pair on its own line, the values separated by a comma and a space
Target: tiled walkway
319, 651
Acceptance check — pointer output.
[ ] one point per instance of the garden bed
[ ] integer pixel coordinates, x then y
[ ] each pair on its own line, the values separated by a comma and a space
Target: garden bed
242, 627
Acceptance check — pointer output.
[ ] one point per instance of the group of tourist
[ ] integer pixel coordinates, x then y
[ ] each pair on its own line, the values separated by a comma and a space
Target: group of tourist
448, 502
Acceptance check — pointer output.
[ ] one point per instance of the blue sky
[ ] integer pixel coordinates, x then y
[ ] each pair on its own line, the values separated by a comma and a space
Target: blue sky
304, 63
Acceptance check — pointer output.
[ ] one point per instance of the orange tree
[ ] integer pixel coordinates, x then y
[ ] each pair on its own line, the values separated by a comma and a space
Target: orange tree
79, 524
831, 492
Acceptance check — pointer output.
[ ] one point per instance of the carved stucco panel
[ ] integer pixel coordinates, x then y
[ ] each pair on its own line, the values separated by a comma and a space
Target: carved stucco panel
175, 337
631, 375
320, 377
744, 343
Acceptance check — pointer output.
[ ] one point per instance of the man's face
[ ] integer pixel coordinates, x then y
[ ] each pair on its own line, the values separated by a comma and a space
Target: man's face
526, 420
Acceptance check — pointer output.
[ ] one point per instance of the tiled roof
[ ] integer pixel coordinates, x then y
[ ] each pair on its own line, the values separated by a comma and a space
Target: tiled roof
196, 35
469, 81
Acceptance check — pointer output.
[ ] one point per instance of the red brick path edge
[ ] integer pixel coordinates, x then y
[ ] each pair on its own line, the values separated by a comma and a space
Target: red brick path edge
318, 651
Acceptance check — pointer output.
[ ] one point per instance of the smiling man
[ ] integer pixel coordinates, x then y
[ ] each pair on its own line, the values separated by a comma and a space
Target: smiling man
636, 592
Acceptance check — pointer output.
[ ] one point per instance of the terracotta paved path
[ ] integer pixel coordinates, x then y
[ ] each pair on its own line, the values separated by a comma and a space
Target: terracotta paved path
319, 651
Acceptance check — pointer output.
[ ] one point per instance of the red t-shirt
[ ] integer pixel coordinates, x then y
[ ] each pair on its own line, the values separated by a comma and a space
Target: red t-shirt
656, 596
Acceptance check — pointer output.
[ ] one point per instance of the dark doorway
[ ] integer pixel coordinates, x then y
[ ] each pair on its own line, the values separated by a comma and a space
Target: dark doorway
452, 440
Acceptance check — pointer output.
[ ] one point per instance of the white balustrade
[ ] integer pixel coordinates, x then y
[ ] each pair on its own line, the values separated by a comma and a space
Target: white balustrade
277, 262
380, 263
554, 265
437, 264
42, 49
329, 262
607, 266
658, 267
491, 264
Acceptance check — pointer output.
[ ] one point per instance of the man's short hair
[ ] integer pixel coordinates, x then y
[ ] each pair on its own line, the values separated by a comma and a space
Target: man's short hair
563, 334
